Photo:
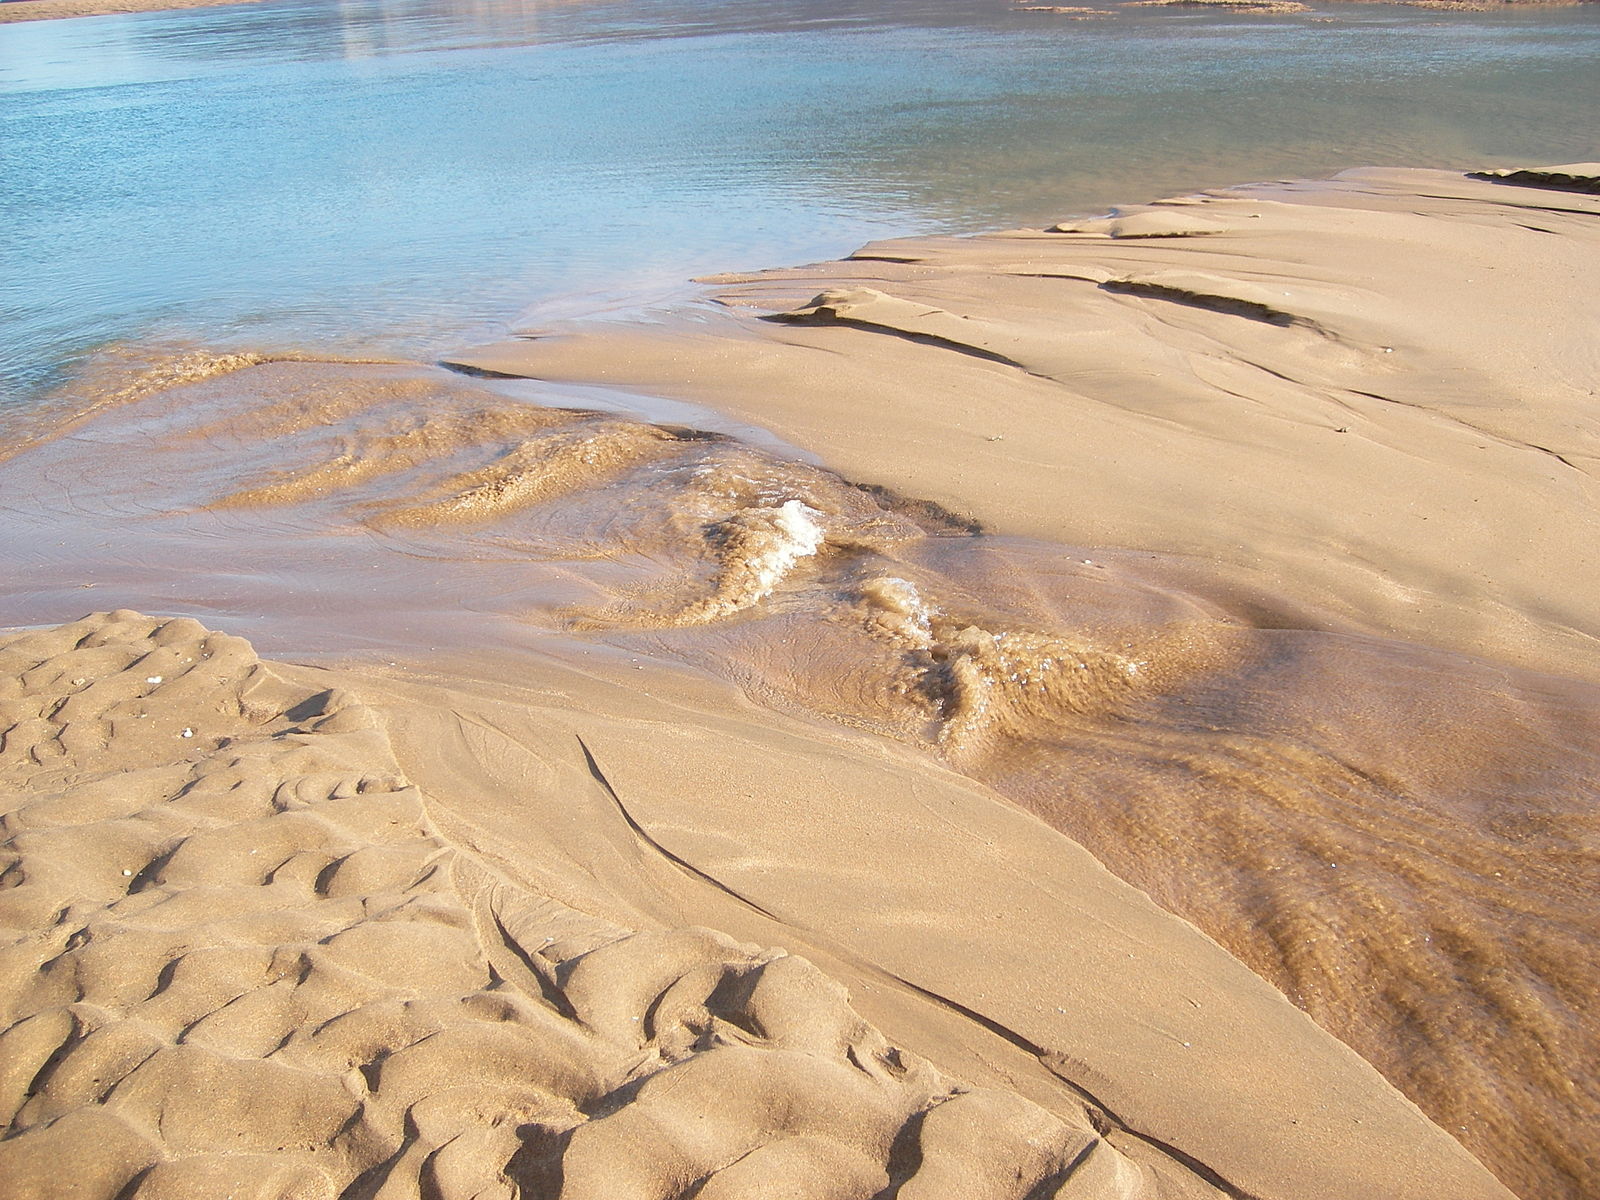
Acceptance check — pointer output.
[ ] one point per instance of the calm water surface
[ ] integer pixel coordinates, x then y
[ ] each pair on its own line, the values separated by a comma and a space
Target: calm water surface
405, 175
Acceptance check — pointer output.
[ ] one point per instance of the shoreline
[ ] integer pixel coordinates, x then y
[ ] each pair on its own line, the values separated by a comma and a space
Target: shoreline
874, 824
1337, 335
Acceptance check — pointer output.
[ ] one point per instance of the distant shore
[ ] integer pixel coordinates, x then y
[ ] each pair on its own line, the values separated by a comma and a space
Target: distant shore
45, 10
48, 10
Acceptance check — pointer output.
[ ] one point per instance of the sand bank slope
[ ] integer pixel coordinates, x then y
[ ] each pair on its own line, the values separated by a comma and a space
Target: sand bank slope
246, 955
1372, 397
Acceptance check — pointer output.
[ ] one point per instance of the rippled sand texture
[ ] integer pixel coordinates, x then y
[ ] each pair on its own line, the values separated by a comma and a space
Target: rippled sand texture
247, 955
250, 965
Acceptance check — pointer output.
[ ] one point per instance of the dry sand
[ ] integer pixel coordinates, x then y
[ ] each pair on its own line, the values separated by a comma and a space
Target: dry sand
666, 812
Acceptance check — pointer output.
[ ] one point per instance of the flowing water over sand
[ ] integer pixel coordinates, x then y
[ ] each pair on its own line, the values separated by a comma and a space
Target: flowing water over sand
1402, 840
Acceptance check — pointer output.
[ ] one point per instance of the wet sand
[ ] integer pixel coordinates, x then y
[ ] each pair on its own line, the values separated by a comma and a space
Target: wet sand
1130, 727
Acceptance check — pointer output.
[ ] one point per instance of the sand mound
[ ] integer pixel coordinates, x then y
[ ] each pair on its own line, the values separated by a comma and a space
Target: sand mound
1574, 177
1152, 223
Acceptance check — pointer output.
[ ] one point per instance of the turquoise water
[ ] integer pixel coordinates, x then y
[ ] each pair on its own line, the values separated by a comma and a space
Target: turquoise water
404, 176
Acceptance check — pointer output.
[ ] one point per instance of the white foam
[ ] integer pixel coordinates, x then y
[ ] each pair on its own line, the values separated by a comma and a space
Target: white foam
900, 610
798, 535
760, 547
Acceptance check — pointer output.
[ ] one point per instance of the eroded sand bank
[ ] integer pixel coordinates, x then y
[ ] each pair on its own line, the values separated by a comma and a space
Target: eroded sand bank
1244, 540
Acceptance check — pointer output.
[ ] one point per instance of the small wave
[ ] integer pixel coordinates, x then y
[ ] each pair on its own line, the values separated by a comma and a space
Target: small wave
756, 550
990, 685
896, 610
536, 471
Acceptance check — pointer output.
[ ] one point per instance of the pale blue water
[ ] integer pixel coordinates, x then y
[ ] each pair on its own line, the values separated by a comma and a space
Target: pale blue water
407, 175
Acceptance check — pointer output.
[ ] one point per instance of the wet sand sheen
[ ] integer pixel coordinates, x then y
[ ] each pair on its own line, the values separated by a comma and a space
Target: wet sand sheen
1400, 837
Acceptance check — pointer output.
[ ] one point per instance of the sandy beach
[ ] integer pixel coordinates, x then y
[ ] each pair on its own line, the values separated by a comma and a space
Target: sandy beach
1108, 711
